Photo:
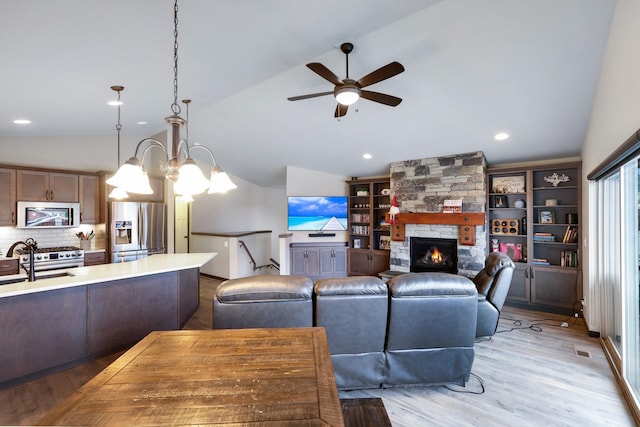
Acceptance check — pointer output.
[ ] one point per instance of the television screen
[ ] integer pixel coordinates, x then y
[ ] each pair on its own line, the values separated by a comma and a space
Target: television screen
323, 213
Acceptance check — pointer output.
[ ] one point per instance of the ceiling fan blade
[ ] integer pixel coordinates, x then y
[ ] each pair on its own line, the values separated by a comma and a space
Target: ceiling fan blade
324, 72
311, 95
381, 74
382, 98
341, 110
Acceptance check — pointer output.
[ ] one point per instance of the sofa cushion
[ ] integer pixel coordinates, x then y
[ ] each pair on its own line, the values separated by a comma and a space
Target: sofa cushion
265, 288
430, 284
350, 286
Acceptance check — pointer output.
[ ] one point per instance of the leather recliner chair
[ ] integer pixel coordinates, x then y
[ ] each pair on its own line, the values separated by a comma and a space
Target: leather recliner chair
493, 283
430, 335
264, 302
353, 311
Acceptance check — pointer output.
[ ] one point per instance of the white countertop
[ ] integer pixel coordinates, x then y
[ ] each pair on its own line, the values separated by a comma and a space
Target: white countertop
154, 264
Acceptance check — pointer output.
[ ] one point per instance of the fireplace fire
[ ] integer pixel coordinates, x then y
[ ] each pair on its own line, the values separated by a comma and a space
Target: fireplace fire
440, 255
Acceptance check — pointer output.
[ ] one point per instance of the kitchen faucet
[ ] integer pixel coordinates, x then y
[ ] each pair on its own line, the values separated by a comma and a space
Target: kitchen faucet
32, 246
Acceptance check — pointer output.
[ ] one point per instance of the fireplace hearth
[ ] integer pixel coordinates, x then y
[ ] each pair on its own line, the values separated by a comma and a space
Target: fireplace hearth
433, 254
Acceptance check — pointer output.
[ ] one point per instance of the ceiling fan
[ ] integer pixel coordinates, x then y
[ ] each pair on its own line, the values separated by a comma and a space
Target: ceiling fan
347, 91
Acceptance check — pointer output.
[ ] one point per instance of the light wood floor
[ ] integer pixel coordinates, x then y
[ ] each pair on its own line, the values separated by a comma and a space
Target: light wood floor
531, 376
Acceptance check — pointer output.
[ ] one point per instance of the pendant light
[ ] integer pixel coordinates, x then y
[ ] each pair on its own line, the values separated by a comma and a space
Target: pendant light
118, 193
186, 174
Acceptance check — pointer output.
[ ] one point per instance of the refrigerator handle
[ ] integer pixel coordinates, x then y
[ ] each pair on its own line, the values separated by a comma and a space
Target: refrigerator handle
141, 225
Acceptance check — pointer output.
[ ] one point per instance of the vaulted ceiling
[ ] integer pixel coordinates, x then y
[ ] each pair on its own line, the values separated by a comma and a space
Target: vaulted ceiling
473, 68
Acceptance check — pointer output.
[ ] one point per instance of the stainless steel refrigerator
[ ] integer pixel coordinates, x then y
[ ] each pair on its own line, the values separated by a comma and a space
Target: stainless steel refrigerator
136, 230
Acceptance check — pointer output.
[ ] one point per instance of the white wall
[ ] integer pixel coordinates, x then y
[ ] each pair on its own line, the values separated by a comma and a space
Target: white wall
251, 208
79, 153
247, 208
614, 117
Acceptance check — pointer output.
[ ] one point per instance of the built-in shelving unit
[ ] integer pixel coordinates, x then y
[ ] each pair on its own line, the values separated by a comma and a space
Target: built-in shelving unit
369, 232
533, 216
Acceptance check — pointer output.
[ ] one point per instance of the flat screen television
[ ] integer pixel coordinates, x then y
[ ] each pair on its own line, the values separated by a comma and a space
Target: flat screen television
323, 213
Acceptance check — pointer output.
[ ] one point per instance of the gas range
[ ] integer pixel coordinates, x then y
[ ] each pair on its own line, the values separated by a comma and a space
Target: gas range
53, 258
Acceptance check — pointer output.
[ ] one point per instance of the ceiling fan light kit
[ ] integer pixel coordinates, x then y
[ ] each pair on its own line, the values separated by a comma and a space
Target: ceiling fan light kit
348, 91
347, 94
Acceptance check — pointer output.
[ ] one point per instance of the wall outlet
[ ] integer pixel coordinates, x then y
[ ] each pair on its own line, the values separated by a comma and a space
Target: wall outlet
226, 243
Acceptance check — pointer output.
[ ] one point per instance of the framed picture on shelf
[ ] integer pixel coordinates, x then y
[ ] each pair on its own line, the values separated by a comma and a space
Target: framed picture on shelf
507, 184
513, 251
356, 243
546, 217
385, 243
500, 202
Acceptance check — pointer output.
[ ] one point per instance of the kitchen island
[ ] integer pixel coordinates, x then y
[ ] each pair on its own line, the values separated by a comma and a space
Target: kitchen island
92, 311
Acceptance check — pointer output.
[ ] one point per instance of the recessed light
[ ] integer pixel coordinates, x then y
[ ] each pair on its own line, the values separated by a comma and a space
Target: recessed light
22, 121
367, 156
114, 103
141, 123
501, 136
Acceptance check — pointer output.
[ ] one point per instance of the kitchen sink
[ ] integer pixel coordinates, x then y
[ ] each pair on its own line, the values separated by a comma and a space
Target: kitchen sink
14, 280
52, 275
38, 277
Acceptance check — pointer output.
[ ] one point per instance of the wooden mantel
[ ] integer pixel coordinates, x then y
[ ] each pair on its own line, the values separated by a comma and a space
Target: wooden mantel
466, 220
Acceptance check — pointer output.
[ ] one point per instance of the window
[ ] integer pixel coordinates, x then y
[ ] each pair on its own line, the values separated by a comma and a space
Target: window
617, 262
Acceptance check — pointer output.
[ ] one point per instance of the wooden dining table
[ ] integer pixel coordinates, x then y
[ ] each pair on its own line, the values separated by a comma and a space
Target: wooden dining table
237, 377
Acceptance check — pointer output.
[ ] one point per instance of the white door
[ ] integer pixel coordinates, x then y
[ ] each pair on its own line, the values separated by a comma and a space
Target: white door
181, 230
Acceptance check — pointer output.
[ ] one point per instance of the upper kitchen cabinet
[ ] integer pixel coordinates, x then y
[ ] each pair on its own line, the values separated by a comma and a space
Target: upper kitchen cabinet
43, 186
7, 197
89, 199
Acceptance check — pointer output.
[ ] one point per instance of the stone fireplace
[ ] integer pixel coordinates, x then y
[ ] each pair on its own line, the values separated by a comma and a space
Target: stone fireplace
428, 254
422, 186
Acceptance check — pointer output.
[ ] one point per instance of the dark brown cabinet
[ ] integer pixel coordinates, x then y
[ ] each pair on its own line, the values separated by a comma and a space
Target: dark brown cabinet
89, 195
43, 186
44, 330
364, 262
95, 258
9, 266
369, 233
7, 197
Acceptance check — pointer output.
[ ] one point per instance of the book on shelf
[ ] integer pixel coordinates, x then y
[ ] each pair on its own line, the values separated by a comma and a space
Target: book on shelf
540, 261
452, 206
568, 259
544, 237
570, 235
360, 229
360, 217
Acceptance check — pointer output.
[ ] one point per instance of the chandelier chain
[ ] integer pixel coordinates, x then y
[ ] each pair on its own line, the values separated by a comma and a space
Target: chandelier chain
118, 127
175, 107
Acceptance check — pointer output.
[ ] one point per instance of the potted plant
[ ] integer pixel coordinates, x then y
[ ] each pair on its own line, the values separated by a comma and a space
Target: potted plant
362, 191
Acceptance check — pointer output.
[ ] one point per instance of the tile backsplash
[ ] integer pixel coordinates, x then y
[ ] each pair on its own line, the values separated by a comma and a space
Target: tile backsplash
51, 237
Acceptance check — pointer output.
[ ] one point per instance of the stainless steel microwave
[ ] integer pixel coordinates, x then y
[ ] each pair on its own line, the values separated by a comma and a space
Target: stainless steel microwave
35, 215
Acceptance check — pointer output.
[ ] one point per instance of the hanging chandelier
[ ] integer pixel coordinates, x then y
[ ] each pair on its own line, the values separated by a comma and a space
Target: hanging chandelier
180, 167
